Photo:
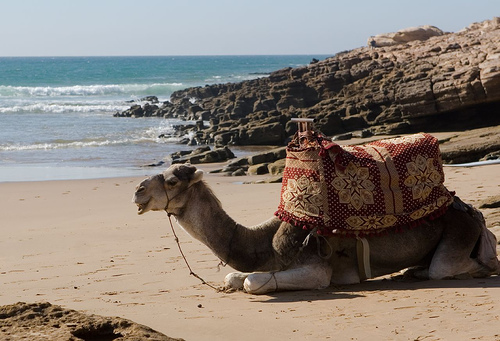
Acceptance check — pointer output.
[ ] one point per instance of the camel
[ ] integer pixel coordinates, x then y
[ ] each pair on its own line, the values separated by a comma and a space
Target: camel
277, 256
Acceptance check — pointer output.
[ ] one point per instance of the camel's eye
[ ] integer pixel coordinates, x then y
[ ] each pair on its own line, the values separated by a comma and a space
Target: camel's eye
140, 189
172, 181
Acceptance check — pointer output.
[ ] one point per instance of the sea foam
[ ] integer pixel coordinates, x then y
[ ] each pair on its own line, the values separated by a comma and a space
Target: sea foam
88, 90
63, 108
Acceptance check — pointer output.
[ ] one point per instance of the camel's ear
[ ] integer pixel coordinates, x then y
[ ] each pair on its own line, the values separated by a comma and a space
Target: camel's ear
188, 172
197, 176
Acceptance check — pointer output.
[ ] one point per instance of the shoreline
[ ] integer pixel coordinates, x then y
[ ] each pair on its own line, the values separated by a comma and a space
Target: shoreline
24, 173
49, 172
457, 143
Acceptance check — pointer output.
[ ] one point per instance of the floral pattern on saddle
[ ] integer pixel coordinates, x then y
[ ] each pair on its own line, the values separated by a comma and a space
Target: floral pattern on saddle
360, 190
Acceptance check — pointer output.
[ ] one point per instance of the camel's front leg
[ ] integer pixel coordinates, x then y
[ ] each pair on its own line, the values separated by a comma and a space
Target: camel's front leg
306, 277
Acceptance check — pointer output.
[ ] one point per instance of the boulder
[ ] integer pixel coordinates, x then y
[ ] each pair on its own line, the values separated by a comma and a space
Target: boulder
222, 139
258, 169
204, 155
277, 167
149, 109
243, 161
152, 99
239, 172
490, 202
134, 111
267, 156
404, 36
200, 150
266, 134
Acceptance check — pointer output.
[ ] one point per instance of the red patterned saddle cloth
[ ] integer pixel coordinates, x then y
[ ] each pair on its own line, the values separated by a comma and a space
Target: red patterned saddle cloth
360, 190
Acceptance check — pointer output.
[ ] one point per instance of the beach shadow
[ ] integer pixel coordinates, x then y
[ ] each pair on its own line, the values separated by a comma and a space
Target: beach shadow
398, 284
309, 296
379, 285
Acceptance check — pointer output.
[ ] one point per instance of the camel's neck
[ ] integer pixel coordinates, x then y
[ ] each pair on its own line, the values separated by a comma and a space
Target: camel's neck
244, 249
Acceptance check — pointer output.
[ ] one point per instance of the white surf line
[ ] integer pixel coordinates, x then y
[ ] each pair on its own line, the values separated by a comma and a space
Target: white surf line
474, 164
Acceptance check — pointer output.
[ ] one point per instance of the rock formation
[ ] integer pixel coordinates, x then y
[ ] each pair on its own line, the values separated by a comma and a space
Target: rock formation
46, 322
449, 81
202, 155
404, 36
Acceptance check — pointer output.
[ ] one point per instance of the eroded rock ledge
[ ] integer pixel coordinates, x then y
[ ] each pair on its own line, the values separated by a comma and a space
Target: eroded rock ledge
47, 322
450, 81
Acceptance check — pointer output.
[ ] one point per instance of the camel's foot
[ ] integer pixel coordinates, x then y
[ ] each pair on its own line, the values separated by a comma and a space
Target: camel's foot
416, 273
234, 280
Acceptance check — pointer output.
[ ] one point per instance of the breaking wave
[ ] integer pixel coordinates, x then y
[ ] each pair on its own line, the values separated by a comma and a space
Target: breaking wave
79, 98
81, 144
63, 108
90, 90
140, 136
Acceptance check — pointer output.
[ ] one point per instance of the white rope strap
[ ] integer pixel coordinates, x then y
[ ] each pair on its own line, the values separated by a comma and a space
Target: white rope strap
363, 251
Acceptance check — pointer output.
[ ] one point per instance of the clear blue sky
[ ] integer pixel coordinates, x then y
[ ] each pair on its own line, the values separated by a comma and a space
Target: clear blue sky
218, 27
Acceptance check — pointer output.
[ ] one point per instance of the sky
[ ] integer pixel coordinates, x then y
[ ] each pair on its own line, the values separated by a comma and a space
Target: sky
218, 27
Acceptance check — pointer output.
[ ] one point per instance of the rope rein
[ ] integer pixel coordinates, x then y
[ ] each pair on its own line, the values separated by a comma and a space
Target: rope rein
191, 272
314, 233
305, 243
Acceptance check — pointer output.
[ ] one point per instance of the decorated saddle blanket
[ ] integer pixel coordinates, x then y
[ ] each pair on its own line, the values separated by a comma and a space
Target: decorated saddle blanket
361, 190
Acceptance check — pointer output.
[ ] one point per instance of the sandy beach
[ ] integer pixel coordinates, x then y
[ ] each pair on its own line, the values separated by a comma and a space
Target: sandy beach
80, 244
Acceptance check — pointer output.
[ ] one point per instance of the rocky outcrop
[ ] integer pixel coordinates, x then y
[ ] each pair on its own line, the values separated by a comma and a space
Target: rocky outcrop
471, 146
46, 322
449, 81
405, 36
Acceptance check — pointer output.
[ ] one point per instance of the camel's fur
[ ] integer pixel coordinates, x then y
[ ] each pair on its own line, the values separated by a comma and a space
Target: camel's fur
269, 255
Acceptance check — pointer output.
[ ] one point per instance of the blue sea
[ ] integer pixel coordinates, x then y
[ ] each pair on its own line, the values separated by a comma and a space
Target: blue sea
56, 113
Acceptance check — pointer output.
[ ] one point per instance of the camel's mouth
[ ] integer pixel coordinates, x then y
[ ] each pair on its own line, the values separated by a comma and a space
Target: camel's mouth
141, 208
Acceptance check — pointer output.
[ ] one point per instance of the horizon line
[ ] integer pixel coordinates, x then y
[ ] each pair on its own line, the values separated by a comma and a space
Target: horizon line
166, 55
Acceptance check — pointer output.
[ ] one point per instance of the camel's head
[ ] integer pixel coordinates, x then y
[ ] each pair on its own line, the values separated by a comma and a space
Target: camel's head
159, 191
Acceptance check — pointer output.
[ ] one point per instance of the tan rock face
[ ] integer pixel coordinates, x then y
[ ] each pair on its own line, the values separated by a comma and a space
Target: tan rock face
43, 321
404, 36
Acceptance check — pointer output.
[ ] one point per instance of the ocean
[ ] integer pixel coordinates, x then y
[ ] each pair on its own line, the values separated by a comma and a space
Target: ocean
56, 113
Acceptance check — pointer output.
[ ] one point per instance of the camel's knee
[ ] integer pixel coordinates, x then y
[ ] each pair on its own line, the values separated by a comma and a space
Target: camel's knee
487, 251
464, 269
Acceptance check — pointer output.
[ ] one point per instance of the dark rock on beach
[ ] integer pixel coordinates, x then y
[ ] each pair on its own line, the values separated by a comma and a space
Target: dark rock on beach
271, 161
47, 322
491, 202
203, 155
